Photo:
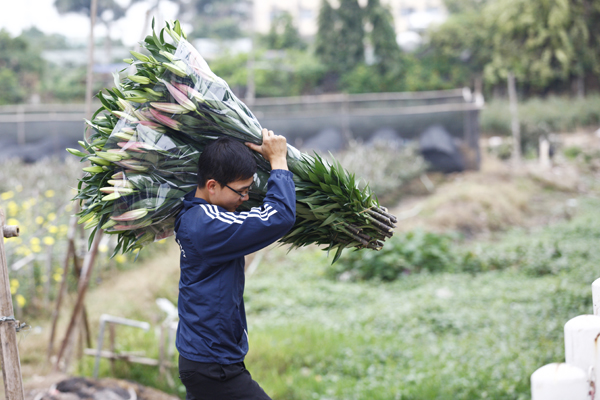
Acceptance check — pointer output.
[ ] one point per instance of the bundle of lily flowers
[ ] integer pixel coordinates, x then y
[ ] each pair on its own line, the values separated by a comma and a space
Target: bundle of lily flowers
144, 142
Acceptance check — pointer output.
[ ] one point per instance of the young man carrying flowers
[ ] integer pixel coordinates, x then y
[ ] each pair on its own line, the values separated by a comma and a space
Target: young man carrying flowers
212, 336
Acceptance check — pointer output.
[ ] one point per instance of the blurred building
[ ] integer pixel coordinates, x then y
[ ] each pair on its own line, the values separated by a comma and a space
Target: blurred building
411, 17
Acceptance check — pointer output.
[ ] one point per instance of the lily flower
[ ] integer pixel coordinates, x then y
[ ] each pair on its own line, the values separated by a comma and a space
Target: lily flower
139, 56
120, 183
130, 164
114, 189
110, 156
166, 121
131, 215
109, 224
170, 108
134, 146
139, 79
112, 196
190, 91
125, 115
175, 69
123, 135
94, 170
99, 161
180, 96
131, 227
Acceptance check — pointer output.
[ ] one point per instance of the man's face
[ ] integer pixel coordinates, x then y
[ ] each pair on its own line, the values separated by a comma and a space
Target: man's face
232, 195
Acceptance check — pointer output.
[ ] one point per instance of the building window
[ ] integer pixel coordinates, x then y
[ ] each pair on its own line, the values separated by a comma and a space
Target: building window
306, 13
404, 11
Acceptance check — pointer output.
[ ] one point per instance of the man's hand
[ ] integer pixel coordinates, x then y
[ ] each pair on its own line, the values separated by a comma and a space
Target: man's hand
273, 148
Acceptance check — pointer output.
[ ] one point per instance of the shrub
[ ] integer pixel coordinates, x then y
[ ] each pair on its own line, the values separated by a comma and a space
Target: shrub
403, 254
386, 168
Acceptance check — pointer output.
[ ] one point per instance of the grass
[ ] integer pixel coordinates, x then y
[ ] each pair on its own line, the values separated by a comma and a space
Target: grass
538, 115
425, 336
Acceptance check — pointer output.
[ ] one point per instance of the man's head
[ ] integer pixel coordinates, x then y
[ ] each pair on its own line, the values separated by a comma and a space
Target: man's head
226, 171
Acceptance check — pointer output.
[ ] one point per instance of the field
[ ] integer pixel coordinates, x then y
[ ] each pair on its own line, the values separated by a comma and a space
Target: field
519, 251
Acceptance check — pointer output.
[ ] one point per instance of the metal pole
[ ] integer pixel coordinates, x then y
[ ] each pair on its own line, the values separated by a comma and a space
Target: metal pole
104, 319
11, 364
514, 112
90, 68
250, 85
596, 296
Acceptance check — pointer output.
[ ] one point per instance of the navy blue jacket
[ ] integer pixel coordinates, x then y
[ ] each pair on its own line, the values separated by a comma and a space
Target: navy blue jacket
213, 241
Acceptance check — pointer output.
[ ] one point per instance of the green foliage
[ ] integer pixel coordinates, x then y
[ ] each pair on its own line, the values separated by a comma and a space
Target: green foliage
540, 116
293, 74
405, 253
382, 36
426, 336
20, 68
283, 34
565, 249
221, 19
412, 72
117, 11
11, 91
387, 169
340, 35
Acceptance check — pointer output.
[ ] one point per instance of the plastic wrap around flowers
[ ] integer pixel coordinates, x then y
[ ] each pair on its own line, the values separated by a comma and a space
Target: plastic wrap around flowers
144, 147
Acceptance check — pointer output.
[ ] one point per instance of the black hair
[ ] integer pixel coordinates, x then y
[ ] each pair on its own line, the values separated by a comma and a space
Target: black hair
225, 160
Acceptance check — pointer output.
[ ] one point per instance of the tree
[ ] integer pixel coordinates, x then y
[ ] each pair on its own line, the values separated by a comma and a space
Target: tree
20, 69
340, 35
283, 34
464, 40
533, 39
109, 11
351, 32
221, 19
383, 37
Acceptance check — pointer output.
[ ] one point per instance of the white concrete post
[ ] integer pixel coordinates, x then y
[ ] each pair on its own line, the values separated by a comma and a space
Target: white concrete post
582, 336
596, 296
559, 381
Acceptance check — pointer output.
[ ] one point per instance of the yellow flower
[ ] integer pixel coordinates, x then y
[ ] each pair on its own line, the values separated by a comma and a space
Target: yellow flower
69, 207
34, 241
48, 240
49, 193
39, 220
20, 300
52, 229
12, 208
36, 248
12, 221
57, 277
14, 286
120, 258
63, 229
51, 217
103, 248
19, 188
7, 195
59, 270
23, 251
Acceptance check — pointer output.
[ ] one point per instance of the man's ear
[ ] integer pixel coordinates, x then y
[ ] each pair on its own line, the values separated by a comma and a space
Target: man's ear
211, 184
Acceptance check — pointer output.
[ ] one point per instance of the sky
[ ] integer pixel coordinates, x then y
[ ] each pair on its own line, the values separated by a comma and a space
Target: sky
17, 15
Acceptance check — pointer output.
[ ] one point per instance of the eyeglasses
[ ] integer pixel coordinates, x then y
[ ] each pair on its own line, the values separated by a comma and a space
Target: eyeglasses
244, 193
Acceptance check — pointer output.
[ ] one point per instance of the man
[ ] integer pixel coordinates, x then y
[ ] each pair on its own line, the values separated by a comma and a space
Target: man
212, 336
